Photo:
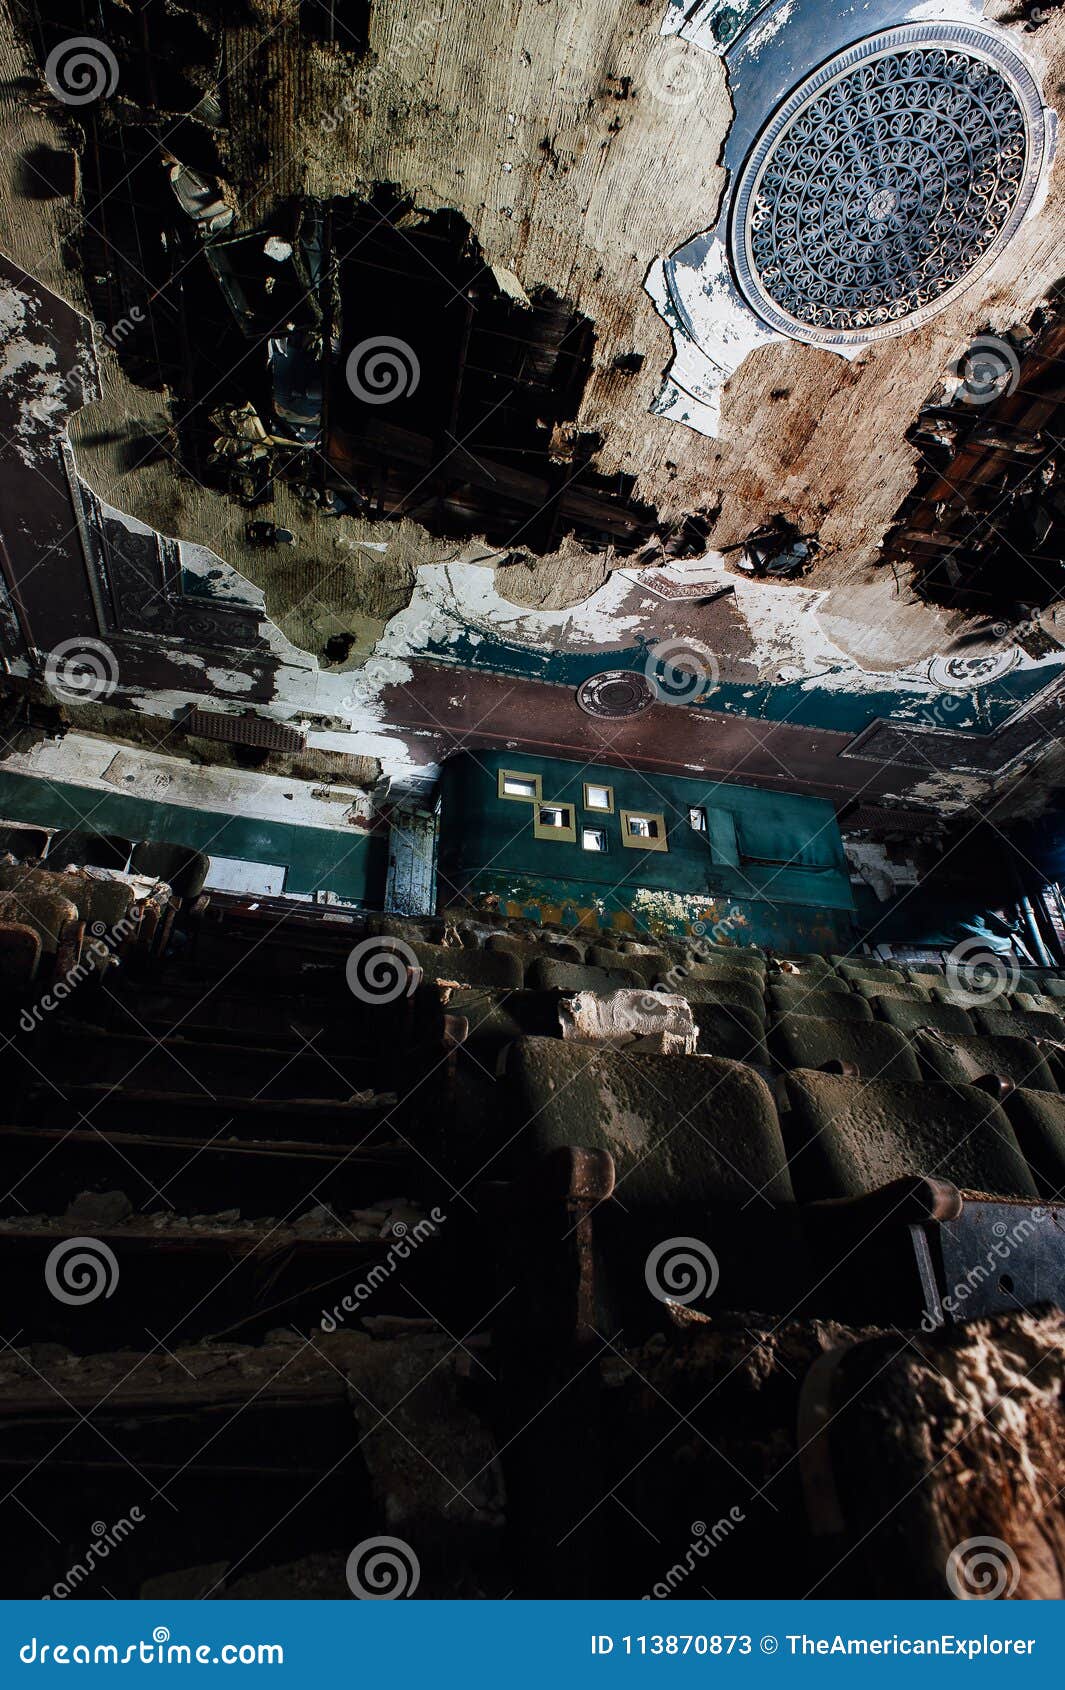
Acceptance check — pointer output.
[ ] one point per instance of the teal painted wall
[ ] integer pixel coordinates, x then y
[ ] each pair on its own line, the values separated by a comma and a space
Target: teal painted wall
771, 867
353, 865
805, 703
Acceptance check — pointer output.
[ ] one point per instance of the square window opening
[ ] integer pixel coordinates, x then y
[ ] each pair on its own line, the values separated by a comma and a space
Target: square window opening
557, 822
520, 785
598, 797
593, 839
697, 818
644, 830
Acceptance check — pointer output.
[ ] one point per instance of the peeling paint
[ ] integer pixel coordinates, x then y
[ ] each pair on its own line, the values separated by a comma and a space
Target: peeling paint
41, 394
760, 35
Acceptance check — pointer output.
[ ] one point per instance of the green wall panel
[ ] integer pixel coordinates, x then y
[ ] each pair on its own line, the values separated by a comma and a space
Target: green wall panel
790, 884
353, 865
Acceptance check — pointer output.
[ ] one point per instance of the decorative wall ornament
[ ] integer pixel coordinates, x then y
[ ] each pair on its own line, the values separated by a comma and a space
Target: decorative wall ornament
864, 195
615, 693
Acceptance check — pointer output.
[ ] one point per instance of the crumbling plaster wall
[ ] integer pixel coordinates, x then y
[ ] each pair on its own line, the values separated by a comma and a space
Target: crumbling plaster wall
581, 146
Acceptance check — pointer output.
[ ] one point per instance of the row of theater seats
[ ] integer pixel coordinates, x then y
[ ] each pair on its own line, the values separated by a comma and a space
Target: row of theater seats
710, 1130
816, 1078
780, 1013
181, 867
73, 911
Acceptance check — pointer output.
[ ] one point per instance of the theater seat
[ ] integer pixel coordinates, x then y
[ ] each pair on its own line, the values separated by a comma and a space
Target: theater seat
725, 969
702, 950
859, 969
828, 1006
648, 965
88, 849
847, 1137
876, 1050
811, 964
493, 1016
904, 989
183, 869
473, 968
736, 992
1040, 1003
20, 955
959, 1059
908, 1017
680, 1128
54, 920
1020, 1023
810, 980
1038, 1119
544, 975
22, 842
730, 1031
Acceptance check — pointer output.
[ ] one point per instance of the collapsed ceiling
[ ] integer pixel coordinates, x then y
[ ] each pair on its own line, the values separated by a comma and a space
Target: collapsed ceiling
377, 297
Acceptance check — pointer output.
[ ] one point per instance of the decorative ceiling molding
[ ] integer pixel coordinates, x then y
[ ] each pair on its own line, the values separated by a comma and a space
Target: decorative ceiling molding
879, 162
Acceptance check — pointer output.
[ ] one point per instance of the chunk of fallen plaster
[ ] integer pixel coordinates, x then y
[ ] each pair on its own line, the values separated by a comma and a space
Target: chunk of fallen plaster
630, 1019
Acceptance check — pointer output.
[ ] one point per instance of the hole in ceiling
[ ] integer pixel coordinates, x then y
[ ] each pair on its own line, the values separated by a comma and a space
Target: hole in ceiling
983, 530
365, 353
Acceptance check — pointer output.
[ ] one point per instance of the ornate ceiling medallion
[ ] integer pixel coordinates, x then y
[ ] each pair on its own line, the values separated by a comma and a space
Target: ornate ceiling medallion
874, 168
615, 693
887, 182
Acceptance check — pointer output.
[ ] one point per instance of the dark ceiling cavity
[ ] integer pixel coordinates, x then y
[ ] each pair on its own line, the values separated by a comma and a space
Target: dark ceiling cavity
363, 352
984, 528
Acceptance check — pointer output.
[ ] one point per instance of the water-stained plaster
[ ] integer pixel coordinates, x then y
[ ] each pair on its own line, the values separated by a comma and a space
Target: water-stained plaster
774, 658
30, 376
772, 654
